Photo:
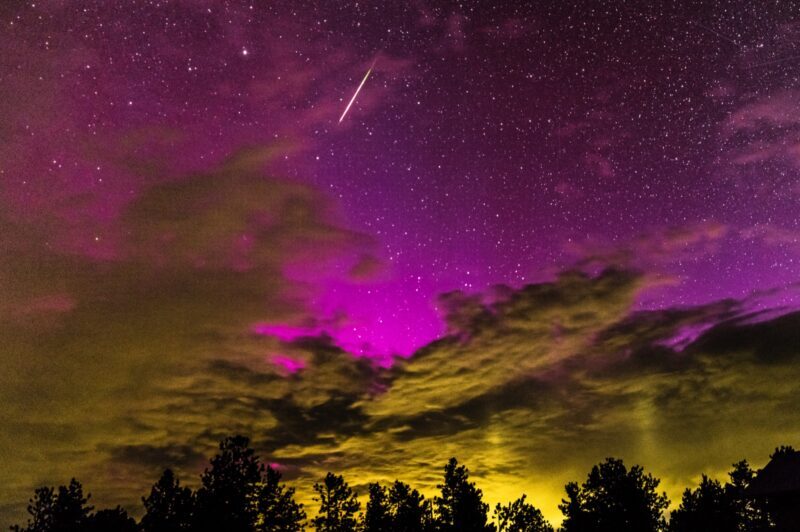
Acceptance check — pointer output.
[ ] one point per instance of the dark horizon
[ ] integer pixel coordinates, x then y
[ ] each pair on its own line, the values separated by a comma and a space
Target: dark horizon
240, 492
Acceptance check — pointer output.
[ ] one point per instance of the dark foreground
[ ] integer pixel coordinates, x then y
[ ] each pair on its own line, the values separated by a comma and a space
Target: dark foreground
239, 493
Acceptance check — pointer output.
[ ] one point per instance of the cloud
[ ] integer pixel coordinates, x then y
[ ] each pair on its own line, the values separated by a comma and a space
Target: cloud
775, 110
563, 374
653, 250
234, 219
765, 130
367, 268
773, 235
533, 386
148, 355
117, 367
533, 329
529, 386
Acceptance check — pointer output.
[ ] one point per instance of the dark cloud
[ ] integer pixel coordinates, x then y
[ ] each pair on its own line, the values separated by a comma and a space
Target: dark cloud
335, 419
157, 458
776, 341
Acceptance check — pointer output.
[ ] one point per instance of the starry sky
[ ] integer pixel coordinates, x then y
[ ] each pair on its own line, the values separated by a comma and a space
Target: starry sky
543, 234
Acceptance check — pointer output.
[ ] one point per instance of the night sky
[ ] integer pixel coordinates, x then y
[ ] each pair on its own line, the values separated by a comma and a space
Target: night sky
544, 233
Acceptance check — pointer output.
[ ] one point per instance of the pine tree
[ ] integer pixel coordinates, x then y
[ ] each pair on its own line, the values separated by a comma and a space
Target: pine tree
460, 506
378, 515
276, 507
338, 505
169, 507
614, 498
63, 511
229, 487
521, 516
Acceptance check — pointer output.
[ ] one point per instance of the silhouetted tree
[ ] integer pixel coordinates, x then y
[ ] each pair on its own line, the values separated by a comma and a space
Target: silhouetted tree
461, 505
520, 516
276, 507
713, 507
400, 508
775, 491
169, 507
706, 509
338, 505
751, 514
783, 450
41, 510
239, 494
111, 520
613, 499
225, 499
378, 517
62, 511
409, 509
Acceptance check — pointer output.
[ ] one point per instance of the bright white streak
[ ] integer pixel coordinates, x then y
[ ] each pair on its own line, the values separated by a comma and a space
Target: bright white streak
356, 94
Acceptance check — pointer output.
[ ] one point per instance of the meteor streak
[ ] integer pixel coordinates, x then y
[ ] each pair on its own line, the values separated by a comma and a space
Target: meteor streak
356, 93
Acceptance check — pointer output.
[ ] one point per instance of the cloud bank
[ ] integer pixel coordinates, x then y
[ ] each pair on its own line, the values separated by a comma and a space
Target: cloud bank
116, 368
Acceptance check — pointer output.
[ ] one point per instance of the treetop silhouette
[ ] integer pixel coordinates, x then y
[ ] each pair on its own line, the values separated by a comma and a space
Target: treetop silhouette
338, 505
239, 493
520, 516
460, 506
614, 498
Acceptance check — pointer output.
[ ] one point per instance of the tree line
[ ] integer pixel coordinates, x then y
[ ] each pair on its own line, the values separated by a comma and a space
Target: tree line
239, 493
